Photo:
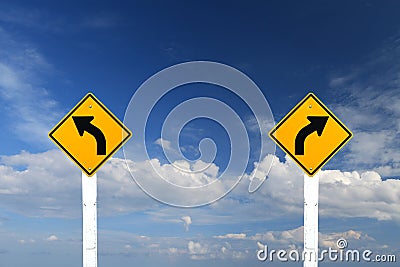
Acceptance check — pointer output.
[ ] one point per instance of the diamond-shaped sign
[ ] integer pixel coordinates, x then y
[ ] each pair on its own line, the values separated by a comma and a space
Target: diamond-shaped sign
90, 134
310, 134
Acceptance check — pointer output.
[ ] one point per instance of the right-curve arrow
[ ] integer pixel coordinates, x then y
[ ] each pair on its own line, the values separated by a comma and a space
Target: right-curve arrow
83, 124
317, 123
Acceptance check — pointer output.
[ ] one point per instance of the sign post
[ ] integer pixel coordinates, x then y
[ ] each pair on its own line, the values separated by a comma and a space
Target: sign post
311, 220
89, 220
310, 134
89, 135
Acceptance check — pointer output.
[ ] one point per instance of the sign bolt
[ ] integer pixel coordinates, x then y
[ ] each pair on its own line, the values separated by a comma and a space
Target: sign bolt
310, 106
90, 106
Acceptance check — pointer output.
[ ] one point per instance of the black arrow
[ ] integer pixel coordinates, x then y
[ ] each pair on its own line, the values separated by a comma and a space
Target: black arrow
83, 124
317, 123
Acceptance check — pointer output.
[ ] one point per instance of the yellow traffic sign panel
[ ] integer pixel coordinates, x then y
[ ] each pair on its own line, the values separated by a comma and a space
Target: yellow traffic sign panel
90, 134
310, 134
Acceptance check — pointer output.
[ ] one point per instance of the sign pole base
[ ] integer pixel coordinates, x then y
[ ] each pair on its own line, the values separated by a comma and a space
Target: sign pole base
89, 210
311, 188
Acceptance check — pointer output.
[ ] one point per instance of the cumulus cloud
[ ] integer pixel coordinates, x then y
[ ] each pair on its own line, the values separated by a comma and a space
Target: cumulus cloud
359, 195
165, 144
197, 248
293, 238
53, 186
351, 236
44, 184
204, 247
342, 194
231, 236
286, 237
198, 251
24, 241
230, 246
52, 238
187, 221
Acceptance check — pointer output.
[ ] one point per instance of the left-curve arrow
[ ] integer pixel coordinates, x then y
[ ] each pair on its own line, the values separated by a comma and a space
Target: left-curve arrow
83, 124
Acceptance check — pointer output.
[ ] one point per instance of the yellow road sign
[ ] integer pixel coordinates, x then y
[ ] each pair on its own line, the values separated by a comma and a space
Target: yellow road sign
90, 134
310, 134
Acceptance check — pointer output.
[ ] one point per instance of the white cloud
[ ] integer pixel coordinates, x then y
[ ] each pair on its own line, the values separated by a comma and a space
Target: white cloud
44, 184
286, 237
52, 238
370, 107
342, 194
205, 248
231, 236
359, 195
293, 238
26, 106
197, 250
351, 236
53, 186
24, 241
339, 81
187, 221
164, 144
253, 126
365, 142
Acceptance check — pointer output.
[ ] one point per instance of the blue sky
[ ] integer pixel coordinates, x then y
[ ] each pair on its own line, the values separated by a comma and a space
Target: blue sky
52, 54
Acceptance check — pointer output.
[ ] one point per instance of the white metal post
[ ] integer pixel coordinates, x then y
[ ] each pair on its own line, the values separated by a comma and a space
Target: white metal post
311, 188
89, 209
